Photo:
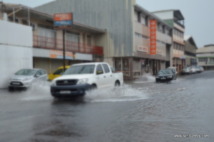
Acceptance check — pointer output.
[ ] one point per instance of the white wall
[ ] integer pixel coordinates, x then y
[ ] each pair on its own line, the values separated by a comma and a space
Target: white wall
15, 49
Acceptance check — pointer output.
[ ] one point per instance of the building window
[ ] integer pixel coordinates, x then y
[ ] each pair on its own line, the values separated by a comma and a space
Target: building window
202, 59
163, 27
89, 40
212, 60
139, 17
146, 20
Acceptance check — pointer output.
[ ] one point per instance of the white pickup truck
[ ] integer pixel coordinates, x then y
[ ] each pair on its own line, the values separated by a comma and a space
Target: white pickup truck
82, 77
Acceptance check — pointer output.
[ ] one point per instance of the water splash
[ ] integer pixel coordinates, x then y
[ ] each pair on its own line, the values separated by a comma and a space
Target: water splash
124, 93
146, 78
41, 91
38, 91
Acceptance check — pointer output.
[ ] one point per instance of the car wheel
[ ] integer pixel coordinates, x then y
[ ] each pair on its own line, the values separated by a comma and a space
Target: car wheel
10, 89
157, 80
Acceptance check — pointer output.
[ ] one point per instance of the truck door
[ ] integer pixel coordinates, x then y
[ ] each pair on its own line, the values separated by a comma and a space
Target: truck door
100, 77
108, 76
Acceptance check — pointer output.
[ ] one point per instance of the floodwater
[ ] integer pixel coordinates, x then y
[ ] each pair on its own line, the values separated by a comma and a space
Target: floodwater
140, 111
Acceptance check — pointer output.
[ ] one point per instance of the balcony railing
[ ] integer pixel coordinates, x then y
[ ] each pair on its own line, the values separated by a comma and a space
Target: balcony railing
164, 38
178, 39
53, 43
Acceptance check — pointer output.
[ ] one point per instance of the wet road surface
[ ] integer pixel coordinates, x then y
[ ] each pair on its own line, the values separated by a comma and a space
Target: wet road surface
141, 111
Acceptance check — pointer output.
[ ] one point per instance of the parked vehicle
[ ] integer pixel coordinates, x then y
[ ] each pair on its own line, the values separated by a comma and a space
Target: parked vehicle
174, 71
82, 77
164, 75
193, 69
199, 69
186, 70
24, 78
57, 73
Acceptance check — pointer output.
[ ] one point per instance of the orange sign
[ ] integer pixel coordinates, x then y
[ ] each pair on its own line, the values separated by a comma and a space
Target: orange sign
55, 54
153, 37
63, 17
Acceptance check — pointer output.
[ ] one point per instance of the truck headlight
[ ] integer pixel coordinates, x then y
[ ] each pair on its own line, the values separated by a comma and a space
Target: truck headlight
83, 81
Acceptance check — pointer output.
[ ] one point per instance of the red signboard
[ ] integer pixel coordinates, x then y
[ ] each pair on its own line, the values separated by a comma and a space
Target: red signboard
63, 17
153, 37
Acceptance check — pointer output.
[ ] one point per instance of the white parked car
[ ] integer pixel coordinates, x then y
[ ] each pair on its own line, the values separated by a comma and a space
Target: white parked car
186, 70
193, 69
81, 77
24, 78
199, 69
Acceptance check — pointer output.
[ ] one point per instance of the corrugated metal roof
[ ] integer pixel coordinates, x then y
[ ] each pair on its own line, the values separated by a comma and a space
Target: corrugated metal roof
23, 11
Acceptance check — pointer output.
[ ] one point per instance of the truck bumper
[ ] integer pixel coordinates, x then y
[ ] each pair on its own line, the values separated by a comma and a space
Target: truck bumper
69, 91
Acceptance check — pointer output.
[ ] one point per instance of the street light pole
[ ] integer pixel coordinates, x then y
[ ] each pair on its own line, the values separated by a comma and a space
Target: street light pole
63, 49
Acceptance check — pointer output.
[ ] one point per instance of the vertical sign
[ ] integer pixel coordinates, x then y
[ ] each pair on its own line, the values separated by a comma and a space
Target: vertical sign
153, 37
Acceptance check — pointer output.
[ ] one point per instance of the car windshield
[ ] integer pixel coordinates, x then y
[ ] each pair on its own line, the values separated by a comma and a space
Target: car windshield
80, 69
163, 72
26, 72
59, 71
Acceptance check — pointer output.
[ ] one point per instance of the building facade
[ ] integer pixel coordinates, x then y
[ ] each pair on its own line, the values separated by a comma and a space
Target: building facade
190, 51
82, 43
149, 30
205, 56
175, 19
128, 32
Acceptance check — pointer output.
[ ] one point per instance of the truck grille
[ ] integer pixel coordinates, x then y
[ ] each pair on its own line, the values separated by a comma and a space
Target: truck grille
66, 82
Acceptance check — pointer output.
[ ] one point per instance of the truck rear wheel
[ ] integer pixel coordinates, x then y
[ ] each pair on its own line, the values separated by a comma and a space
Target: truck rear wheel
117, 84
93, 87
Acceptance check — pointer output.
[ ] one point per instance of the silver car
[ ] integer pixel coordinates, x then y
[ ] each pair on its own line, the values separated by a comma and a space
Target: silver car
24, 78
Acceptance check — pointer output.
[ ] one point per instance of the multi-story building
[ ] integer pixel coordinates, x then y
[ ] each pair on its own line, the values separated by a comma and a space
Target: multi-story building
190, 51
205, 56
175, 19
82, 43
129, 36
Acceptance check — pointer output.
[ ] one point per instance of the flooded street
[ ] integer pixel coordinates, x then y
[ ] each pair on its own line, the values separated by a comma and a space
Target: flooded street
140, 111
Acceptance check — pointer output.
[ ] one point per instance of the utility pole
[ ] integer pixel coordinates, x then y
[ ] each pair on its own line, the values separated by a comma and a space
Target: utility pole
64, 56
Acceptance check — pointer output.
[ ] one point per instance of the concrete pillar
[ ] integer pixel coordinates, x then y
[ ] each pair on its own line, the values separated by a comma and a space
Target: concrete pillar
59, 39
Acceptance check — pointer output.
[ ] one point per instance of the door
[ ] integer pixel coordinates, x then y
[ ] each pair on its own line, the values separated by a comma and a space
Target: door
100, 77
108, 76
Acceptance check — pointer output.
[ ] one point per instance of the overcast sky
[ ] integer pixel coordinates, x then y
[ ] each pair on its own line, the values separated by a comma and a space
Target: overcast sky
199, 15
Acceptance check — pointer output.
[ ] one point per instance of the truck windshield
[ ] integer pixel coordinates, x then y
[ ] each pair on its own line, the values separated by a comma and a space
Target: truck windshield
80, 69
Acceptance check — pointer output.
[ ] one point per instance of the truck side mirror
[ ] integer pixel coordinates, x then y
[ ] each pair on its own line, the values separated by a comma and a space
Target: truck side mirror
99, 72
